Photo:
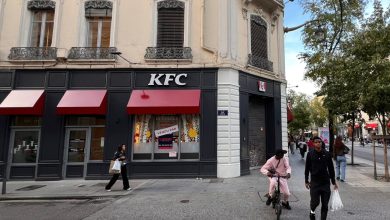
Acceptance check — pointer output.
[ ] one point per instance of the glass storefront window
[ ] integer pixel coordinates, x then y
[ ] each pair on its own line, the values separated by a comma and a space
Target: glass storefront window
97, 143
26, 121
85, 121
25, 146
166, 137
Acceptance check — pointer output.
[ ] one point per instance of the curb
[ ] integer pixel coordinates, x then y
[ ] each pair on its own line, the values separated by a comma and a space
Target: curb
10, 198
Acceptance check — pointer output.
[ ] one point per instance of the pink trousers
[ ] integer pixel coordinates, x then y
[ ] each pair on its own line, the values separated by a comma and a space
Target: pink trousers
283, 187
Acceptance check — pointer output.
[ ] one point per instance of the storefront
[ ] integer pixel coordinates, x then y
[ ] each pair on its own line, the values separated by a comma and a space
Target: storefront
68, 123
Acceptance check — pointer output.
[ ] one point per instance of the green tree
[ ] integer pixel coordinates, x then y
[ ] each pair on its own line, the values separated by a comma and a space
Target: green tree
301, 110
323, 55
371, 52
318, 113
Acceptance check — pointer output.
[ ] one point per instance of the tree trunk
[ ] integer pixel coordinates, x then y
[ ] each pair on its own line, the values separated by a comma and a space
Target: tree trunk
331, 135
373, 148
353, 137
385, 148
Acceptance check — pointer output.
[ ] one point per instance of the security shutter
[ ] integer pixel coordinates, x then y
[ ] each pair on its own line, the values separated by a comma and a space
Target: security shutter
258, 37
170, 27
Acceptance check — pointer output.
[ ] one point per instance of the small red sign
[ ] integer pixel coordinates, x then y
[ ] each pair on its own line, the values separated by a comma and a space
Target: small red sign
262, 86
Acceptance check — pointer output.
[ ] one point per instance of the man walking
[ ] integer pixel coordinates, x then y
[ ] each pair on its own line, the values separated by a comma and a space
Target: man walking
320, 166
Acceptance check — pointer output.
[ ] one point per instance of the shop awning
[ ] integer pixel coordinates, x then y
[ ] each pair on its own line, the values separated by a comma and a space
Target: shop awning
164, 102
83, 102
371, 125
23, 102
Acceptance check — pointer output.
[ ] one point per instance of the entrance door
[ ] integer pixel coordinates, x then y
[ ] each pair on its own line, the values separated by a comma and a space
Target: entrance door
77, 147
256, 132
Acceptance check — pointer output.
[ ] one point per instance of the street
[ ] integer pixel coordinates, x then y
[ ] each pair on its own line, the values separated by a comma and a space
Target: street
234, 198
366, 152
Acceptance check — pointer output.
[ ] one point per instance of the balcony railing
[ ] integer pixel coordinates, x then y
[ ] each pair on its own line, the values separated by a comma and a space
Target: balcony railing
260, 62
169, 53
33, 53
92, 53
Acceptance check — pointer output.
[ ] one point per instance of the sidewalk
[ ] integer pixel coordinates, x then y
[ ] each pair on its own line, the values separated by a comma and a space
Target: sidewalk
65, 189
360, 175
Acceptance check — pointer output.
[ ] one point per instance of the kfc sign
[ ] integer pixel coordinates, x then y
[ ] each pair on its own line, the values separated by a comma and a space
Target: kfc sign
165, 79
262, 86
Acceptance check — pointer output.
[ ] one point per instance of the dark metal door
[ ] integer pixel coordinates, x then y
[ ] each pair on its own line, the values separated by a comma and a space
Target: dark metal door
256, 131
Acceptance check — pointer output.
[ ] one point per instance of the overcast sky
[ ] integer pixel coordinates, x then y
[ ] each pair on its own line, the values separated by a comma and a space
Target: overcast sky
295, 69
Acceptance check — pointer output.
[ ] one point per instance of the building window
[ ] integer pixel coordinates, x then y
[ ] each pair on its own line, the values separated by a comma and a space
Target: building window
170, 25
259, 44
42, 28
259, 37
25, 139
98, 26
166, 137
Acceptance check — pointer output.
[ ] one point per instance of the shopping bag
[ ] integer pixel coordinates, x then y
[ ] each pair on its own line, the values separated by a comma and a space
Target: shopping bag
335, 202
114, 167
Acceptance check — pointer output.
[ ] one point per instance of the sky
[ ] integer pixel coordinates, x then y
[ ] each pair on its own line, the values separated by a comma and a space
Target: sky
295, 68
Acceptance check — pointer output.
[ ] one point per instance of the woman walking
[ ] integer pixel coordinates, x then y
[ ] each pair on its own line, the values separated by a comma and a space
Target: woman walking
120, 154
339, 150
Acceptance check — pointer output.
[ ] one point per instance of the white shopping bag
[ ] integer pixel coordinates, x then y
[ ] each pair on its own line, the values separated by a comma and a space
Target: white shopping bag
335, 201
117, 165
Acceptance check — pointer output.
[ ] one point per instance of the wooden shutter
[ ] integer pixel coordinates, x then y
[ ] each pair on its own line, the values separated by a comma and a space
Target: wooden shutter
170, 27
258, 37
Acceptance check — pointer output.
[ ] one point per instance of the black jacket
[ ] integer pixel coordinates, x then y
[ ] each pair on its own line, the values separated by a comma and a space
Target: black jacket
118, 156
320, 166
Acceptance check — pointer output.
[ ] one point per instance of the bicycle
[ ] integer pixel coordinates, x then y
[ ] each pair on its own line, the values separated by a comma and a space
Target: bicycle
276, 200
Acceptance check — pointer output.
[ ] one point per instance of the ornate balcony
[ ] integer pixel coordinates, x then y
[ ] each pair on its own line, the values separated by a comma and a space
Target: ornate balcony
168, 53
33, 53
92, 53
260, 63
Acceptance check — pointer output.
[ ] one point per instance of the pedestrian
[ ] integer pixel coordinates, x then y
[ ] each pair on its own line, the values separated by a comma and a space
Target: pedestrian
319, 165
339, 150
291, 143
120, 154
310, 144
278, 165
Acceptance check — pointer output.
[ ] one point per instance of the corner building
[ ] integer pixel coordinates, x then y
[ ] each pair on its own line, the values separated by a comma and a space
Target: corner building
194, 88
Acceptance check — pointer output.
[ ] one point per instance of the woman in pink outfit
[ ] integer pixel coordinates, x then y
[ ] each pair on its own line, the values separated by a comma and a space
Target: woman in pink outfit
278, 165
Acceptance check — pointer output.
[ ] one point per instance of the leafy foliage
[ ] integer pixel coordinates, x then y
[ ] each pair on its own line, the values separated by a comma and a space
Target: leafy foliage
301, 110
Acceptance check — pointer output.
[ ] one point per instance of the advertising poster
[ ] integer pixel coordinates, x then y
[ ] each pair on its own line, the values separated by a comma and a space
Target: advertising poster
323, 133
165, 142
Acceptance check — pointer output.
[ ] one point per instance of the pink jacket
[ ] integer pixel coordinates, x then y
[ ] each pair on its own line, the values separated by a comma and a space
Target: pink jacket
272, 163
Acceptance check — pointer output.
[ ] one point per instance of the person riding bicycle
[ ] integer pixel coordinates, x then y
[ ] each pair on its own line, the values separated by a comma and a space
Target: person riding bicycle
278, 165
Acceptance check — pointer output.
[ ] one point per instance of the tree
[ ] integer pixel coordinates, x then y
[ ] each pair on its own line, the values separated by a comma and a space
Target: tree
371, 52
318, 112
301, 110
324, 56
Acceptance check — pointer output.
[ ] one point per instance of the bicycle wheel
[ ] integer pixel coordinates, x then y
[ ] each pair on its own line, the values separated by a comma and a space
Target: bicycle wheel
278, 210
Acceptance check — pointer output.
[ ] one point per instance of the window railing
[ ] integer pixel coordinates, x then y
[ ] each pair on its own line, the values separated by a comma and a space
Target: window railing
260, 62
33, 53
176, 53
92, 53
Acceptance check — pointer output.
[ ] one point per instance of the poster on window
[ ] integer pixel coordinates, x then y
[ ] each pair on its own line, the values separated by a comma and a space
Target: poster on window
168, 130
324, 134
165, 142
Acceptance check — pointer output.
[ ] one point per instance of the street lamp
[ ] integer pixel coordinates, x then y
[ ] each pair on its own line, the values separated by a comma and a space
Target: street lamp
117, 53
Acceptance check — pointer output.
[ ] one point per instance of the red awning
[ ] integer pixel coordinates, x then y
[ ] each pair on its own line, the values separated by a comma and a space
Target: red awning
23, 102
164, 102
290, 115
371, 125
83, 102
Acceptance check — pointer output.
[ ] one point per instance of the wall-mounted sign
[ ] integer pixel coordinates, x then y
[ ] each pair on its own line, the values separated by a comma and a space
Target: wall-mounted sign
165, 79
223, 112
262, 86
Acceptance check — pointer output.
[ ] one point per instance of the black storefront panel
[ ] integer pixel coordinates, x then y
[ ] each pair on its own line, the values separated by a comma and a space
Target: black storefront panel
30, 79
22, 172
52, 139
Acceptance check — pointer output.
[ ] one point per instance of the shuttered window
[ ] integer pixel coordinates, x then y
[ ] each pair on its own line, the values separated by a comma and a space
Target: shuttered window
170, 27
258, 37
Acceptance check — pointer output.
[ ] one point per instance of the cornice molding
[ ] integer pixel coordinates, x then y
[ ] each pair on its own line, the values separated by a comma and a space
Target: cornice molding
170, 4
98, 4
41, 5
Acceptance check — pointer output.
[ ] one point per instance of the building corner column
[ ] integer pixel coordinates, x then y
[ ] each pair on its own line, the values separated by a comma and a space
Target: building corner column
228, 126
